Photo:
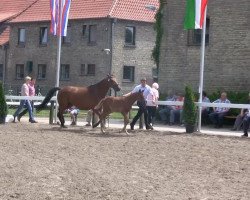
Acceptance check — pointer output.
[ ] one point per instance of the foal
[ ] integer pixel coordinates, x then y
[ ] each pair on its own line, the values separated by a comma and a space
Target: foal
116, 104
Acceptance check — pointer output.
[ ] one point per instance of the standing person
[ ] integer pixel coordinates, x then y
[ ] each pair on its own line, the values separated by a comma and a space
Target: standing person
152, 97
25, 102
32, 92
141, 104
218, 113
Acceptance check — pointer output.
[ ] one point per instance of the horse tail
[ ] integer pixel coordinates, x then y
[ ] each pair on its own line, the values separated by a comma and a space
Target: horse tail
47, 98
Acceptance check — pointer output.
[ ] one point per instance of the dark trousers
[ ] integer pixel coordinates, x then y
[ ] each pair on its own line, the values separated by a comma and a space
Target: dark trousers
151, 114
217, 118
246, 123
142, 110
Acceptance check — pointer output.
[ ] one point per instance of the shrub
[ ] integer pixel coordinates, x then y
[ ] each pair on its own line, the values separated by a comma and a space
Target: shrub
189, 107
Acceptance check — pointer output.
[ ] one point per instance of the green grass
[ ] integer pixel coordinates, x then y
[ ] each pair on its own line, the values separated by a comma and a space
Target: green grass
82, 114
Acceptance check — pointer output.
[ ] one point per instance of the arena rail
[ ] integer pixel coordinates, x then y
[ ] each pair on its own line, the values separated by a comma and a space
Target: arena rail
15, 101
134, 107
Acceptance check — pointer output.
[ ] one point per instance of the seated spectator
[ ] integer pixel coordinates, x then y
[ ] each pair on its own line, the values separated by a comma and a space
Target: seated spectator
246, 123
218, 113
176, 111
165, 112
73, 111
239, 120
205, 110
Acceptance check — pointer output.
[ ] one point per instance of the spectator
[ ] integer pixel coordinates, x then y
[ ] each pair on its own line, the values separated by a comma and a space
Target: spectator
73, 111
176, 111
239, 120
32, 92
219, 112
25, 102
152, 97
246, 123
165, 112
205, 110
141, 104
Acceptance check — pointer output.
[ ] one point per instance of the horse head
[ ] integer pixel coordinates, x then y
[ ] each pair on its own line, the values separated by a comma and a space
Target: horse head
113, 83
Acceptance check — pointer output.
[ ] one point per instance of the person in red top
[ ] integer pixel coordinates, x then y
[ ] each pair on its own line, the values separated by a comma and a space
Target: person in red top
32, 92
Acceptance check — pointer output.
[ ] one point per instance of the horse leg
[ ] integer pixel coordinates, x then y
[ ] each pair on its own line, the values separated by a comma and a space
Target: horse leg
126, 121
102, 118
61, 118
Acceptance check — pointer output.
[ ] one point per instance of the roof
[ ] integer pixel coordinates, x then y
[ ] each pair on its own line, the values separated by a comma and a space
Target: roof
89, 9
8, 9
4, 36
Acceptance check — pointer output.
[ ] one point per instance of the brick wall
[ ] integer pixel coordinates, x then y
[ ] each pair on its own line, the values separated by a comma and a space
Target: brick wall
227, 61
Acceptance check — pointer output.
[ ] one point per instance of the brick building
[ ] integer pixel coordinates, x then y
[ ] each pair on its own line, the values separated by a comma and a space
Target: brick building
227, 60
104, 36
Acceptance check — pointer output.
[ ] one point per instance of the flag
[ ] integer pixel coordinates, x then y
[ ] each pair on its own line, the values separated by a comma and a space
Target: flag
195, 11
59, 25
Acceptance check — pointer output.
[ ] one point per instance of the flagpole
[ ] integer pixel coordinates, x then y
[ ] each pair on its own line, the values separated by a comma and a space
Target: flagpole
202, 58
59, 44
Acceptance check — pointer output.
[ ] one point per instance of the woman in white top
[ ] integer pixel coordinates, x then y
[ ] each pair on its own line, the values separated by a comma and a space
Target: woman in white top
152, 97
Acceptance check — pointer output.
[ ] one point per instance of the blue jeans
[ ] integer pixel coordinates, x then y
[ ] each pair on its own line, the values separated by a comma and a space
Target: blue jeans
21, 106
246, 123
217, 118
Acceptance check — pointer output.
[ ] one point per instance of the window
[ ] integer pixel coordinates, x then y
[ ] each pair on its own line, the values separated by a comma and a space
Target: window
128, 73
84, 30
130, 35
92, 34
67, 39
43, 35
21, 36
1, 71
64, 72
194, 36
41, 71
87, 70
19, 71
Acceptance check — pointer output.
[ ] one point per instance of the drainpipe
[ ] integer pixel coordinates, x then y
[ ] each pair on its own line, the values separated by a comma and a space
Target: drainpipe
113, 21
5, 48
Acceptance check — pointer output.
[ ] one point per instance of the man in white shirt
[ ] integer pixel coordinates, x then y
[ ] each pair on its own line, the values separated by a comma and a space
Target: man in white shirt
219, 112
141, 104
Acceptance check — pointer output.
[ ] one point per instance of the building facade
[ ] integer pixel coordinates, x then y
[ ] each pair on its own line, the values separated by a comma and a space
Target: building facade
94, 47
227, 55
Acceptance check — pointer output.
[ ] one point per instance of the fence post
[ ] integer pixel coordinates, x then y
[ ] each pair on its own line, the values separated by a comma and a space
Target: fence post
51, 112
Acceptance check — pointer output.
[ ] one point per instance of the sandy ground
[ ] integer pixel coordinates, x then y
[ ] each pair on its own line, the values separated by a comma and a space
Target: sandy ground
41, 161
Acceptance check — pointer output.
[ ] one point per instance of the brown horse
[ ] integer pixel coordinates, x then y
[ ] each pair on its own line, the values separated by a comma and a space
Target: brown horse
116, 104
84, 98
